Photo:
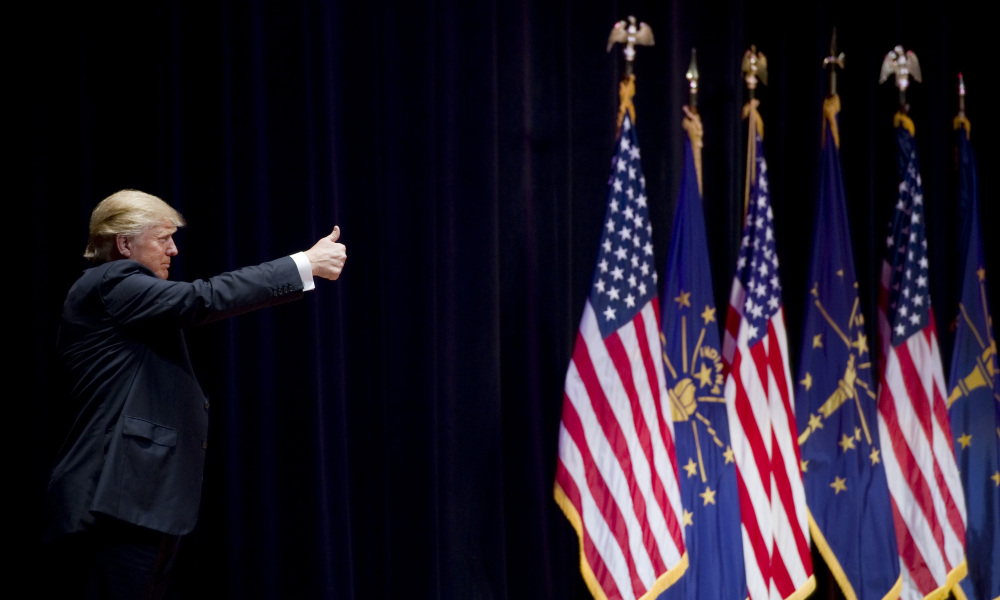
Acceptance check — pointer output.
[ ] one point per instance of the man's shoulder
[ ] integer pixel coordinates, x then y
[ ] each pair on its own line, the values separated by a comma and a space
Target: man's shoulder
113, 268
123, 267
101, 277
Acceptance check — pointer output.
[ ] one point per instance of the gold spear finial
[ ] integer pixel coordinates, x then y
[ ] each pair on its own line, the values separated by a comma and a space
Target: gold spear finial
960, 119
692, 122
692, 77
961, 95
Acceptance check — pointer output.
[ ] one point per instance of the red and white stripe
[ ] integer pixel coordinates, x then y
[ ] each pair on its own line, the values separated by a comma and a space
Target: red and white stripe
762, 429
928, 504
617, 476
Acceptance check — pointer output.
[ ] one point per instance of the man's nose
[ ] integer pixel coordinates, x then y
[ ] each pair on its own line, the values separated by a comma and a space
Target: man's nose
171, 248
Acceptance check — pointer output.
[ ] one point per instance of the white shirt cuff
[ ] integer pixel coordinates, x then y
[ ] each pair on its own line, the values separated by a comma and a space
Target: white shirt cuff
305, 271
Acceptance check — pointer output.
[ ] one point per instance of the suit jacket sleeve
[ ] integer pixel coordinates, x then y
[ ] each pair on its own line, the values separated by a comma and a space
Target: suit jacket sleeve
131, 293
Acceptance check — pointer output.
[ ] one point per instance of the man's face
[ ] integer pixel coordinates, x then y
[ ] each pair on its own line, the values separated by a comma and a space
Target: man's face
153, 248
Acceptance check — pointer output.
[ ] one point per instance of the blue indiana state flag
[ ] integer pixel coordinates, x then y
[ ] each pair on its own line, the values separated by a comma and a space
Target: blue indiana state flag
695, 383
974, 387
850, 515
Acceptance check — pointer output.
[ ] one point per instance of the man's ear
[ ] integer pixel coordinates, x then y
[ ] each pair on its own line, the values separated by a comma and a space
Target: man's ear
122, 245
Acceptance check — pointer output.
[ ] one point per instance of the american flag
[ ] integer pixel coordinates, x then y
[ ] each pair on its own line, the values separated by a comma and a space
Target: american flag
927, 500
760, 407
616, 478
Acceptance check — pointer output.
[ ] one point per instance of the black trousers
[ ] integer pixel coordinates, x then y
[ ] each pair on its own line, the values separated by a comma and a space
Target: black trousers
112, 561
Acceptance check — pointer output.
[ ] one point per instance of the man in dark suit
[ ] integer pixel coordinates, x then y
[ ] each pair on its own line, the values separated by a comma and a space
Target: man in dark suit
127, 480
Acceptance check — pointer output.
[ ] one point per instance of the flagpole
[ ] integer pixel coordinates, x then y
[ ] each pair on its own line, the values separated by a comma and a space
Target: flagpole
902, 66
755, 70
831, 108
960, 119
692, 121
831, 105
830, 63
692, 77
630, 34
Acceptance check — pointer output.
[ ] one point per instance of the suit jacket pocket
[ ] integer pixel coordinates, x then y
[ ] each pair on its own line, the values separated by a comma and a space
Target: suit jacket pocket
136, 483
149, 432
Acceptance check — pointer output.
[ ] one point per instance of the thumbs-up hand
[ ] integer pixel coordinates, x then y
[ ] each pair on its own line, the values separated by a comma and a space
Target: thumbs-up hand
328, 256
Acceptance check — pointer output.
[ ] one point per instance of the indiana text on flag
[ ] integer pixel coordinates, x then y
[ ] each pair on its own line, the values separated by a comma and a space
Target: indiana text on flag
695, 382
974, 401
927, 501
850, 517
616, 477
761, 407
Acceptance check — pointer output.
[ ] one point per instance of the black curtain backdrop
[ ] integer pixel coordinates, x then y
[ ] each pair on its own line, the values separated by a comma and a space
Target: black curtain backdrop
394, 433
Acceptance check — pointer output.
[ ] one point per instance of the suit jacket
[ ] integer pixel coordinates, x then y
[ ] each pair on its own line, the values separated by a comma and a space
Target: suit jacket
136, 448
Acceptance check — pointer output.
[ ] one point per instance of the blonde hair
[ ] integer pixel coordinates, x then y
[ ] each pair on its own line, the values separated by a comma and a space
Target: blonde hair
128, 213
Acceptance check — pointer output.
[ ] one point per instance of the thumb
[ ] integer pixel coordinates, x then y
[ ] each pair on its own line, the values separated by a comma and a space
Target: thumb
336, 234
